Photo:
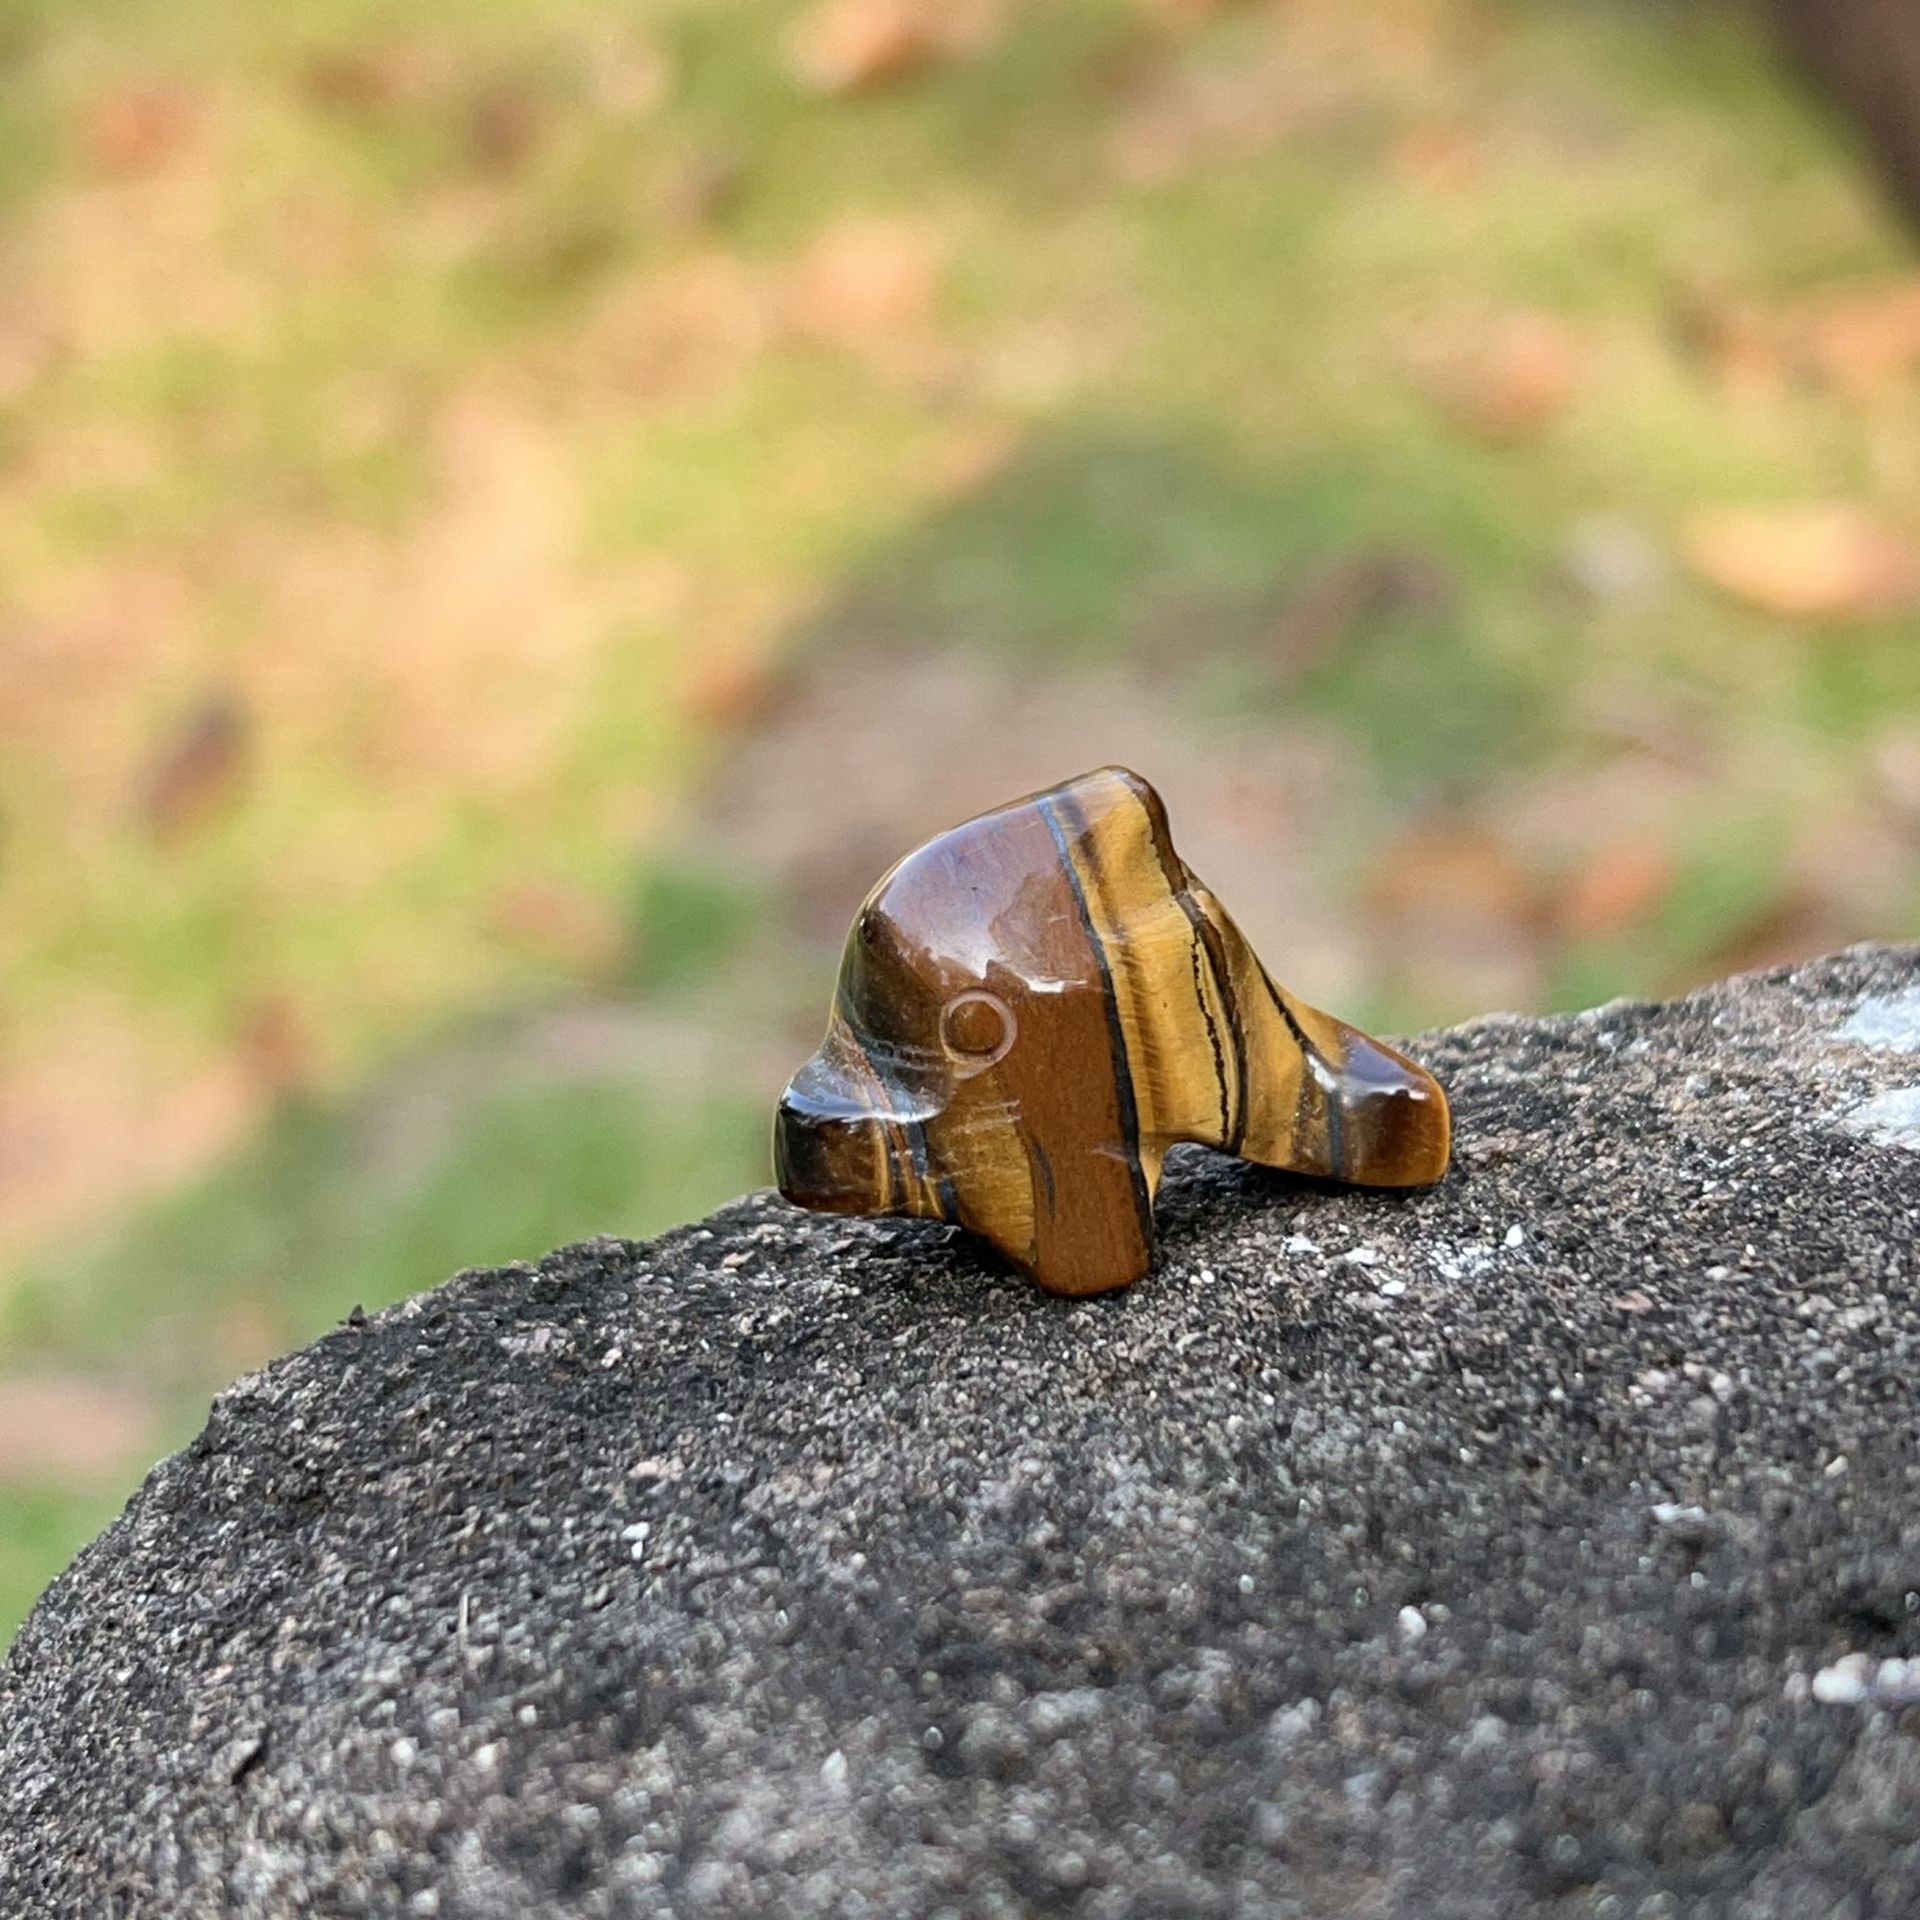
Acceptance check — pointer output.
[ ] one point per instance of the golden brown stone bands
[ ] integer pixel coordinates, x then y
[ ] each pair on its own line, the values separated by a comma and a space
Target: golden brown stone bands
1035, 1005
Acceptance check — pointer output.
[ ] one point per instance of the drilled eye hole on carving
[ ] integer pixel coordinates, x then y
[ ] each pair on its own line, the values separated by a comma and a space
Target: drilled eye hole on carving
976, 1028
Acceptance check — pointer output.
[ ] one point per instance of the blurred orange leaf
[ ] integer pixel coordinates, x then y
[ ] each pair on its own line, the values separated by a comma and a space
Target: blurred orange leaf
1452, 870
1816, 560
134, 130
196, 771
276, 1043
843, 46
504, 122
1505, 379
695, 190
724, 686
1863, 341
1620, 884
562, 926
1858, 340
71, 1431
685, 334
864, 281
1439, 157
1464, 909
355, 82
1741, 347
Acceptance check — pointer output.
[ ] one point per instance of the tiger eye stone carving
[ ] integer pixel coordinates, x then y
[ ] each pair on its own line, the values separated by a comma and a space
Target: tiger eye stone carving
1036, 1005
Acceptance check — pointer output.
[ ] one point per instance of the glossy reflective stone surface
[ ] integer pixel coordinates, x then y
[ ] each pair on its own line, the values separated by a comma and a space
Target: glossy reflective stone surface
1034, 1006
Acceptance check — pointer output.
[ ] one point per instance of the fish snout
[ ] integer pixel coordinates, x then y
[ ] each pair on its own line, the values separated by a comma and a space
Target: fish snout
829, 1148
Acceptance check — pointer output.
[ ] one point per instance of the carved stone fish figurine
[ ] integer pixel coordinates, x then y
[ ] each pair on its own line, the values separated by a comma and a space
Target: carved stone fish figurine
1035, 1005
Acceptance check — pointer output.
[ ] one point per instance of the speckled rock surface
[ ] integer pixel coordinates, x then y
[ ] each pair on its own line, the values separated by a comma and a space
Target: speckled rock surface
1549, 1543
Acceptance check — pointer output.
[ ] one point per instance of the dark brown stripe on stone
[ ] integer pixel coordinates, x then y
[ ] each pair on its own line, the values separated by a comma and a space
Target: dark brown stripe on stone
1062, 817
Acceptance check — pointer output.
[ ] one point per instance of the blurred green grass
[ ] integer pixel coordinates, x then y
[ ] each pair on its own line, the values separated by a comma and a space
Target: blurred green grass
327, 1213
1167, 377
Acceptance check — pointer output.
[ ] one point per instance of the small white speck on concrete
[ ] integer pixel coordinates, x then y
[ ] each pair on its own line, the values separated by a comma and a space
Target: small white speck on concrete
613, 1356
1897, 1683
1670, 1515
1362, 1256
1393, 1289
1836, 1466
833, 1772
1287, 1724
1515, 1235
1888, 1119
488, 1757
1890, 1020
403, 1752
1068, 1870
1413, 1624
1844, 1684
1858, 1680
539, 1340
1299, 1243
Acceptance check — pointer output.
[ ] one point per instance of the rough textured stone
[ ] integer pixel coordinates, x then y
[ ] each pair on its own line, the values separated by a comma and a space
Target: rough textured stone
1546, 1543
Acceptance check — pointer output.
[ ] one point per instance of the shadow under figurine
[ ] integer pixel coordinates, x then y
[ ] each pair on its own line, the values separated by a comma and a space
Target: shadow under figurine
1034, 1006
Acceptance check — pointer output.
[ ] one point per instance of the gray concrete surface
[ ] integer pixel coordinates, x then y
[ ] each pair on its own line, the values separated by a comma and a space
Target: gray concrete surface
1548, 1543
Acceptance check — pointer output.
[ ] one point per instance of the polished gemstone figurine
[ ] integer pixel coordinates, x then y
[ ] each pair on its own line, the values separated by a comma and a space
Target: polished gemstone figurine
1035, 1005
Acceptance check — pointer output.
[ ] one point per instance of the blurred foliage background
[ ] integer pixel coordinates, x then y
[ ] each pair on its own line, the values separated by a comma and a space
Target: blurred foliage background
512, 514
